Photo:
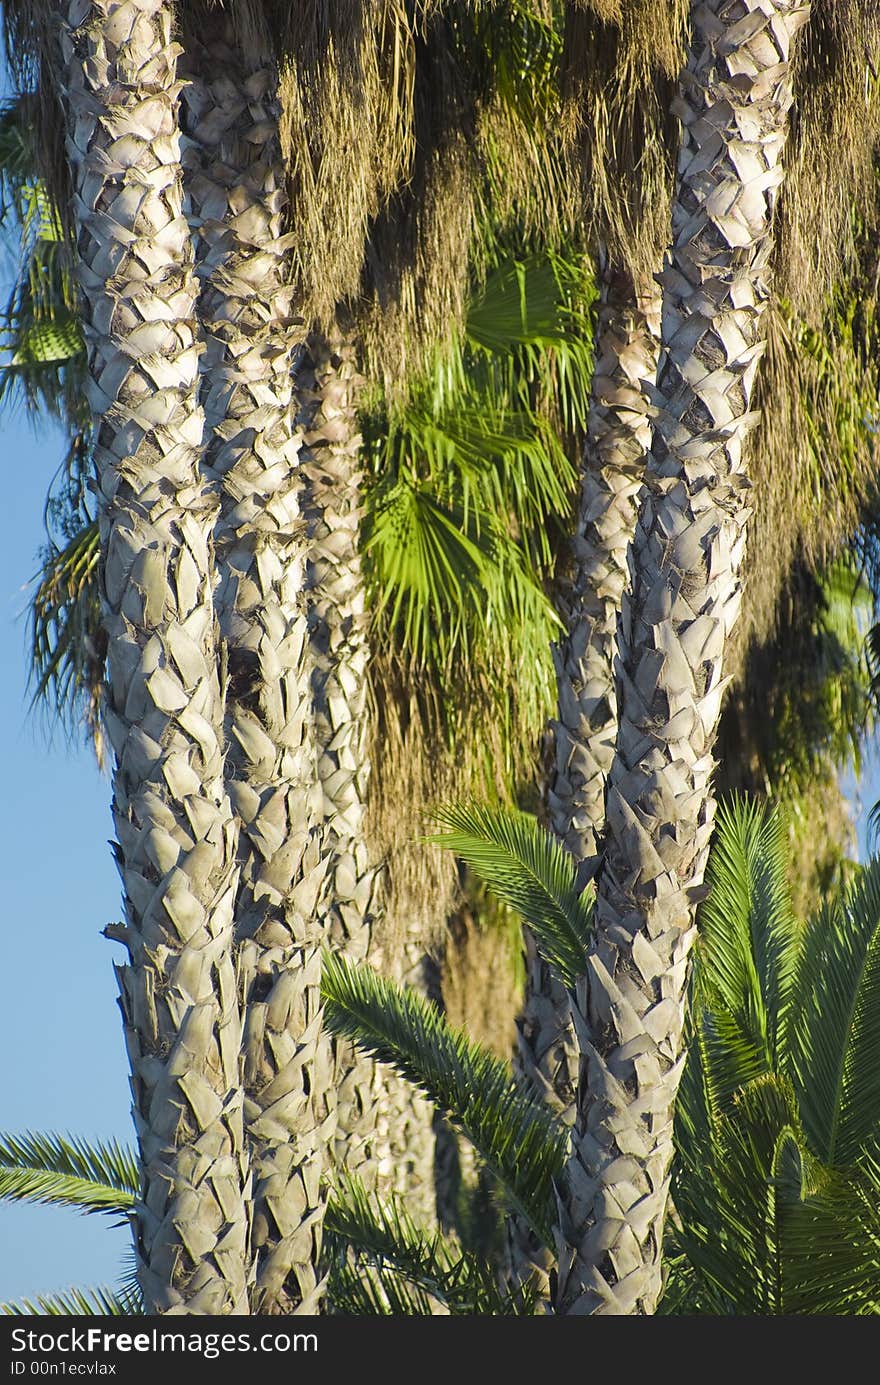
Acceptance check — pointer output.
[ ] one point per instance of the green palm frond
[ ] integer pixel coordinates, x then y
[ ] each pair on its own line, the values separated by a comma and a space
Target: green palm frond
358, 1293
518, 1140
40, 332
94, 1176
16, 157
832, 1245
531, 326
734, 1210
835, 1043
66, 639
384, 1234
777, 1181
748, 950
469, 485
100, 1302
525, 867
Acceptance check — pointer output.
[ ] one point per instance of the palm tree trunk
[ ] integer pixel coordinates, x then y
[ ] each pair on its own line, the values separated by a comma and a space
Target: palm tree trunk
629, 1012
236, 183
589, 600
383, 1127
174, 824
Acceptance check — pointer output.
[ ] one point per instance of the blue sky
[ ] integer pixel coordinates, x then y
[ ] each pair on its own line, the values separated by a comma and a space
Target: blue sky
63, 1064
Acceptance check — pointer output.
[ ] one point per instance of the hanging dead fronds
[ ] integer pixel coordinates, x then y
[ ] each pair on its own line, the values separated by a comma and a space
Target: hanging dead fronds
416, 269
621, 61
485, 113
30, 33
481, 971
419, 761
816, 452
346, 87
829, 192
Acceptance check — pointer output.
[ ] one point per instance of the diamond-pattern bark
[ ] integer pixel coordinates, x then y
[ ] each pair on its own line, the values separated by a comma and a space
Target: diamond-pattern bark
236, 179
176, 834
588, 600
733, 101
384, 1130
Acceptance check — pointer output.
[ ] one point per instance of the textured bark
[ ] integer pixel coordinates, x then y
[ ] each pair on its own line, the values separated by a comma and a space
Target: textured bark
381, 1126
174, 824
236, 184
733, 100
588, 600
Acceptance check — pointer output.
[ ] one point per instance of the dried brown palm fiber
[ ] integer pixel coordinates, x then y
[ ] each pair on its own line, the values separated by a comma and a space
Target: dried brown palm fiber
481, 972
814, 457
347, 90
734, 99
236, 184
176, 832
427, 752
830, 186
485, 162
30, 29
619, 67
415, 278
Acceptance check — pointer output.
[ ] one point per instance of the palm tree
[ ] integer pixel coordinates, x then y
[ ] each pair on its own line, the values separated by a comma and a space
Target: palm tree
176, 832
235, 178
618, 65
686, 554
222, 107
776, 1185
776, 1129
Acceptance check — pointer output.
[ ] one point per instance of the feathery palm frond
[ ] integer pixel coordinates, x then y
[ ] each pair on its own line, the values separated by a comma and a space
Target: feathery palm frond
734, 1209
518, 1140
832, 1244
749, 943
67, 642
835, 1039
777, 1127
384, 1234
377, 1293
95, 1176
526, 868
101, 1302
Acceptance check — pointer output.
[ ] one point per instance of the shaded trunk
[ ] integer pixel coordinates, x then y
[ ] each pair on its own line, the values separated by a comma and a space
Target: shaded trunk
381, 1123
164, 716
629, 1012
589, 599
236, 183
